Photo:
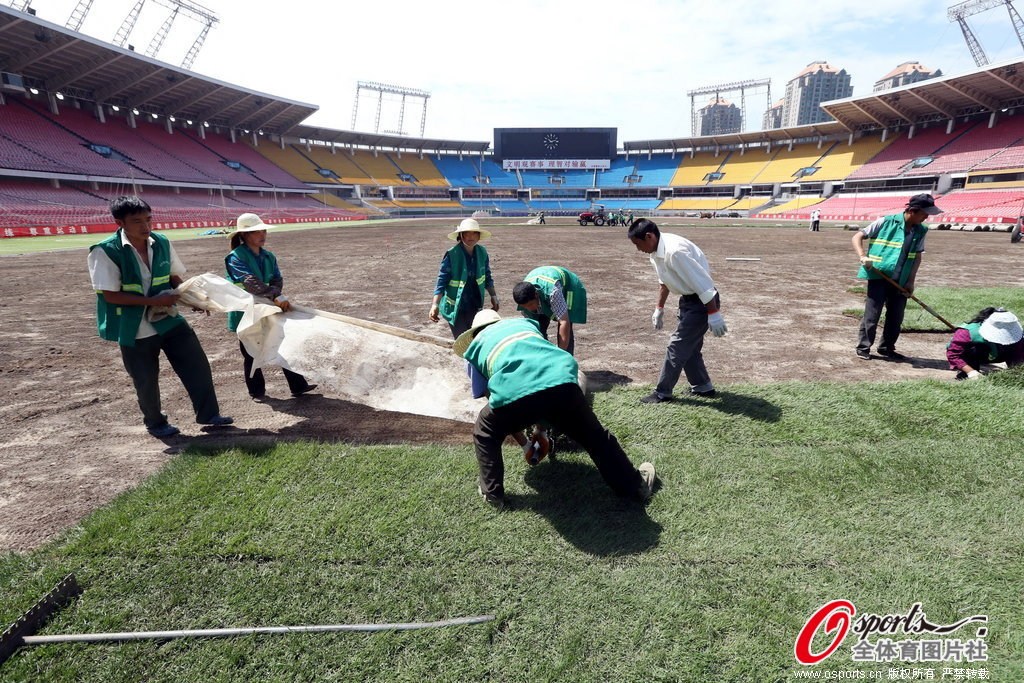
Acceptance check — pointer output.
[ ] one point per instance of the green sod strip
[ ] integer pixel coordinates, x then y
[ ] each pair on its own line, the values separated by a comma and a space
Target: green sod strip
955, 304
774, 500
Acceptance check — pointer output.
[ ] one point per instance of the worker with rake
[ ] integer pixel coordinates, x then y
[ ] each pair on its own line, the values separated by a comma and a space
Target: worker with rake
889, 263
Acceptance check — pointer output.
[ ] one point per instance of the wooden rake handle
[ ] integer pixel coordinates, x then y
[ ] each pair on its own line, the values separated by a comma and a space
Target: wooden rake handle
906, 292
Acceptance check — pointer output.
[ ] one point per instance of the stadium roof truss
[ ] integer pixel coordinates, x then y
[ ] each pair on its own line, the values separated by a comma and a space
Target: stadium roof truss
55, 59
374, 140
987, 89
760, 137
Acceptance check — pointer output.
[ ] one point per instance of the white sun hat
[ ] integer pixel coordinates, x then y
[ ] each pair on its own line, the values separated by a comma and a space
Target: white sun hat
250, 222
480, 320
469, 225
1002, 327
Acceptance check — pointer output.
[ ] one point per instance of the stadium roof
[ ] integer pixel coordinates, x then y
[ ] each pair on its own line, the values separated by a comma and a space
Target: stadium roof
55, 59
986, 89
356, 139
814, 130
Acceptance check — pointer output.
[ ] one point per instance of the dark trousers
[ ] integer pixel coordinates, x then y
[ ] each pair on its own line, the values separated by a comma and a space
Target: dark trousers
463, 319
545, 321
881, 293
814, 226
566, 409
684, 348
255, 383
189, 362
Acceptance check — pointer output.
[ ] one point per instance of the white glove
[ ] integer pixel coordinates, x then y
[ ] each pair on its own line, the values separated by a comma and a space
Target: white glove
974, 374
658, 318
717, 324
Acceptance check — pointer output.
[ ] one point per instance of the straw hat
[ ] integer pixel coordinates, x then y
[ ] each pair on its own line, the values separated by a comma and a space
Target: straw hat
250, 222
469, 225
480, 320
1002, 327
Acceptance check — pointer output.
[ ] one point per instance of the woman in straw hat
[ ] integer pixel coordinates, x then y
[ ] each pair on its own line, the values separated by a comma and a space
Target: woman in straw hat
993, 336
464, 274
255, 270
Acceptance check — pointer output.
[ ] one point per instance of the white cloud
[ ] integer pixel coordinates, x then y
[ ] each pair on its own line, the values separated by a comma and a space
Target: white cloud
552, 62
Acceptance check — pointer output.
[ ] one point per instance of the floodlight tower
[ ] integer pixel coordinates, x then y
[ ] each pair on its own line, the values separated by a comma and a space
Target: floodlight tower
20, 5
717, 90
381, 89
121, 37
78, 15
961, 11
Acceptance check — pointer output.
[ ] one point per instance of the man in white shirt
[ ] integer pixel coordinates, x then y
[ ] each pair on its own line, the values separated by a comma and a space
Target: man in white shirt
815, 220
133, 272
683, 270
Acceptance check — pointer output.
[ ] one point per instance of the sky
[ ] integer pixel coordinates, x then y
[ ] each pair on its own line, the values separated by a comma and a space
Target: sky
546, 63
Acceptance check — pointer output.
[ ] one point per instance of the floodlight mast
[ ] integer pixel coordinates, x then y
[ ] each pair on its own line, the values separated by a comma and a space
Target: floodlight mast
961, 11
381, 89
121, 37
78, 15
717, 90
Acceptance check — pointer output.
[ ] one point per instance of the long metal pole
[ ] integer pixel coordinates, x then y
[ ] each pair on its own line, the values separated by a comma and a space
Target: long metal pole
258, 630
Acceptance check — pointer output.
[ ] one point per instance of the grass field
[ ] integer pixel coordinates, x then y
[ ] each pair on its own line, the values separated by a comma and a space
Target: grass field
774, 500
955, 304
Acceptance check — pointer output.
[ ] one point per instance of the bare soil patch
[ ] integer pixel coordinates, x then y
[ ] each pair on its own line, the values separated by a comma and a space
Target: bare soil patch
70, 430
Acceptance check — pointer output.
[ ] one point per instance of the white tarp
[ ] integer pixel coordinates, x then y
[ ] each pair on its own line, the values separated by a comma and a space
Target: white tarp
383, 367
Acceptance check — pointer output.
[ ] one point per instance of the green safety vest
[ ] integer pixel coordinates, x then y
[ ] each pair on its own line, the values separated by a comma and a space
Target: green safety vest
545, 278
890, 254
460, 277
976, 338
264, 269
517, 361
120, 323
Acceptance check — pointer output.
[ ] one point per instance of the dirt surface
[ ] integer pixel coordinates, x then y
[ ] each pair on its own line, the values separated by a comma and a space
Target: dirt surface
71, 436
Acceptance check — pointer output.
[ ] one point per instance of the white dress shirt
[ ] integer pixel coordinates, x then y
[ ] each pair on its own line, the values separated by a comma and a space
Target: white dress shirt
106, 276
682, 267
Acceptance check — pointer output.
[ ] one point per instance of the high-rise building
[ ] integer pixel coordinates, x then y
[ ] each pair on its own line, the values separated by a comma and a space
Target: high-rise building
905, 74
719, 116
773, 116
818, 82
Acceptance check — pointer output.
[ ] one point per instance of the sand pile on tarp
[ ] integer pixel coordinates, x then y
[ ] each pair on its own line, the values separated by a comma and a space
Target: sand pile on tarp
383, 367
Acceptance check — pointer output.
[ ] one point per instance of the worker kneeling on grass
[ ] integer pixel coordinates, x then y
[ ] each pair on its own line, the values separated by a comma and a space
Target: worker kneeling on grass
529, 379
993, 336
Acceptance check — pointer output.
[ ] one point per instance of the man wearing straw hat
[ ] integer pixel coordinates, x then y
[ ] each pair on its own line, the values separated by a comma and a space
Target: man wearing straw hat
993, 336
530, 379
134, 273
896, 244
464, 275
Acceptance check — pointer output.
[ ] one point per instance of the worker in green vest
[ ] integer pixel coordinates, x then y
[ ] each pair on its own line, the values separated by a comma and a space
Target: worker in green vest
993, 336
134, 272
553, 293
529, 379
253, 268
892, 245
462, 279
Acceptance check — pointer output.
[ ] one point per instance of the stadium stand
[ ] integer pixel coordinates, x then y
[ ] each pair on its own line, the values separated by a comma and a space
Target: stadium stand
843, 159
458, 172
380, 168
894, 159
292, 162
620, 169
341, 163
423, 170
693, 171
792, 206
744, 168
697, 204
1007, 137
238, 152
656, 171
786, 163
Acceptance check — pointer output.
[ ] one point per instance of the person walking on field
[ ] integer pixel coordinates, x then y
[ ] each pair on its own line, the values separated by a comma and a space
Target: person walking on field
893, 246
815, 221
134, 272
683, 270
255, 270
553, 293
464, 275
530, 379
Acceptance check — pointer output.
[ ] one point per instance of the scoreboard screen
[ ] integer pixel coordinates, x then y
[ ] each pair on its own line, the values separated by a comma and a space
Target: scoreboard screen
555, 143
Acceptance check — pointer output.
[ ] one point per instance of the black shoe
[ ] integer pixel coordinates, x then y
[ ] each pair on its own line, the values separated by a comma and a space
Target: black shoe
300, 392
710, 393
218, 421
891, 354
164, 431
655, 397
863, 354
259, 398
